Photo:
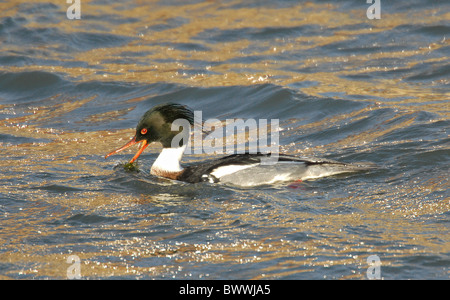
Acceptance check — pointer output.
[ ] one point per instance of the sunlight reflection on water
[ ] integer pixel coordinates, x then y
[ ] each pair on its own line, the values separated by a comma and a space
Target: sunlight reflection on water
344, 87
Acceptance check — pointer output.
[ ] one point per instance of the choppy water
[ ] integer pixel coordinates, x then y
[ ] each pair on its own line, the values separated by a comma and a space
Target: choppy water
343, 87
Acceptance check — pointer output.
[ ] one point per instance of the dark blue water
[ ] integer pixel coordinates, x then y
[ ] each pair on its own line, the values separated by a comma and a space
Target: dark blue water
342, 87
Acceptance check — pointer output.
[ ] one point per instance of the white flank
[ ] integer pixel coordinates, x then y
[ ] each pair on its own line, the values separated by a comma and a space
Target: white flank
169, 159
227, 170
281, 177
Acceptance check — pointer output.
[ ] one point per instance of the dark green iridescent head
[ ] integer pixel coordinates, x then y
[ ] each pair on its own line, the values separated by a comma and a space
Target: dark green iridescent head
156, 124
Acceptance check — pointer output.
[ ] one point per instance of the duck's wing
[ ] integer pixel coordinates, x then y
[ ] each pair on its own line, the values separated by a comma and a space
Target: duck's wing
214, 170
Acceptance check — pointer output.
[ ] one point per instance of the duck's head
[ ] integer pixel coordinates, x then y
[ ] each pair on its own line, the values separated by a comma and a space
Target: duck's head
156, 126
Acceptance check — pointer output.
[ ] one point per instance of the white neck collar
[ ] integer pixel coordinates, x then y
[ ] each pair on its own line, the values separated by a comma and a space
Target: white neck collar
169, 160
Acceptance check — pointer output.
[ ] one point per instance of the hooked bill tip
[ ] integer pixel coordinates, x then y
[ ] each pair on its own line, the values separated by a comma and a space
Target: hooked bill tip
130, 143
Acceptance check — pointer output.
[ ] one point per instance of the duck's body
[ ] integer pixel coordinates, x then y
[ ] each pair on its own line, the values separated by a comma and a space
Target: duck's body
248, 170
239, 169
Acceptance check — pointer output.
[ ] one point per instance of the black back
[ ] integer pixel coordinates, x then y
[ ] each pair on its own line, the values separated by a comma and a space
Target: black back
195, 173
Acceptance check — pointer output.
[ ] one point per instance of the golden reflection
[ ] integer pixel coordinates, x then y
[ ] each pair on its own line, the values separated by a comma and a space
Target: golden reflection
157, 56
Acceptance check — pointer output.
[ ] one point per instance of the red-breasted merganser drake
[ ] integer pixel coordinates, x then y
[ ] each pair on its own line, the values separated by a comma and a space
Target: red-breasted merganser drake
238, 169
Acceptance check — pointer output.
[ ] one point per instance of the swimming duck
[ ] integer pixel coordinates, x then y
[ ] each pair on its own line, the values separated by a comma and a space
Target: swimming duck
244, 170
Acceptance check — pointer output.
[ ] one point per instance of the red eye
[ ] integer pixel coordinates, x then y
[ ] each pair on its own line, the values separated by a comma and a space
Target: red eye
143, 130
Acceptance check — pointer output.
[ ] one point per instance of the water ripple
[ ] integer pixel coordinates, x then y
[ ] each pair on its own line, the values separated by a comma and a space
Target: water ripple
342, 87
